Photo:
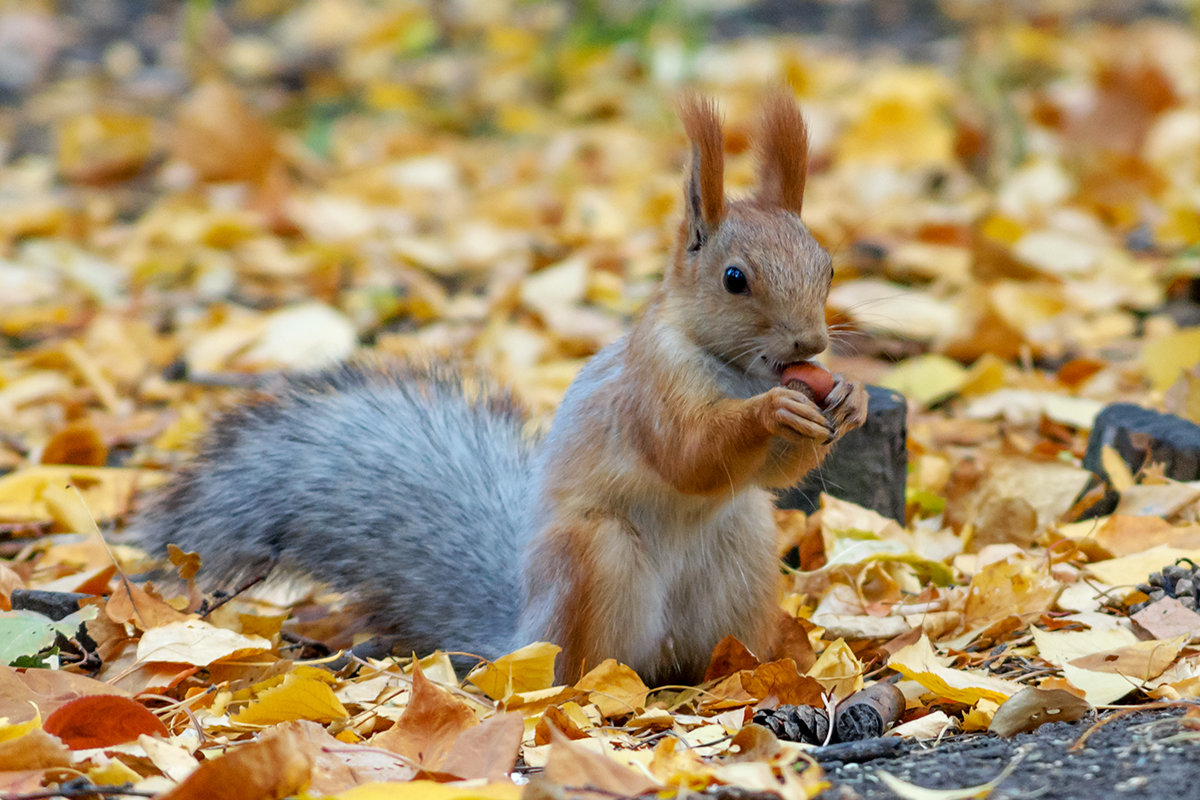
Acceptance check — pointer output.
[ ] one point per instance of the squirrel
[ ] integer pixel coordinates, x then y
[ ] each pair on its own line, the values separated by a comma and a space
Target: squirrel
640, 527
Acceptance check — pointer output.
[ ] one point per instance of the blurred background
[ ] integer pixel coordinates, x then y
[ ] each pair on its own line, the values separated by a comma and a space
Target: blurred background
202, 190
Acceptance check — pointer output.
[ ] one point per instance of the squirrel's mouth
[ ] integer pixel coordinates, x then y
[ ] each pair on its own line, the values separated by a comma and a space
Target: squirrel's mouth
778, 367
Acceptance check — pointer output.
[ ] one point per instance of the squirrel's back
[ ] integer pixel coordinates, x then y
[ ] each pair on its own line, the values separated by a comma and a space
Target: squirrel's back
406, 486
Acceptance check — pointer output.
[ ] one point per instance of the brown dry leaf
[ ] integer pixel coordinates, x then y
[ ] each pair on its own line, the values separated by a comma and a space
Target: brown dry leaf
1168, 618
728, 657
782, 681
76, 443
555, 717
429, 726
275, 766
44, 691
1139, 662
1061, 648
1031, 708
9, 582
221, 137
338, 766
131, 603
615, 689
33, 750
487, 751
792, 641
571, 764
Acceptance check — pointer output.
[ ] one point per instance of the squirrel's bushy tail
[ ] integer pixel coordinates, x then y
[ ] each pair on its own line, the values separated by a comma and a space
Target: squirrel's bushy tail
405, 487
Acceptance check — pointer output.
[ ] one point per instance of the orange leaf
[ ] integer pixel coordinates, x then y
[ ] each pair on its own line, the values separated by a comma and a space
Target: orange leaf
78, 443
102, 720
571, 764
429, 726
728, 657
273, 767
131, 603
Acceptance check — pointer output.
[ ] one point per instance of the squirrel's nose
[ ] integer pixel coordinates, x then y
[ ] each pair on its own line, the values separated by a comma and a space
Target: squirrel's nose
809, 345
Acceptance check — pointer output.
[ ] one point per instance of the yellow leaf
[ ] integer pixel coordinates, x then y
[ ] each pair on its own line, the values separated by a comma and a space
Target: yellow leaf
106, 490
838, 670
980, 717
926, 379
904, 122
9, 731
114, 773
528, 669
1133, 569
1118, 471
298, 697
1164, 358
987, 374
615, 689
100, 147
918, 662
1005, 588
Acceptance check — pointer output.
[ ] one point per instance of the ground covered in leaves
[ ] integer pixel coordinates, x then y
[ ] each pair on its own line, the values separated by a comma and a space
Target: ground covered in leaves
191, 196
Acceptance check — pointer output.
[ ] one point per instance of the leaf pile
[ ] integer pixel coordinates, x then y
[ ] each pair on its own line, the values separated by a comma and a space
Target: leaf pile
258, 186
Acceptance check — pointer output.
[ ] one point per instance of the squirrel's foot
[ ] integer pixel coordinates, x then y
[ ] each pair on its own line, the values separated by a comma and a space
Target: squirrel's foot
793, 414
846, 406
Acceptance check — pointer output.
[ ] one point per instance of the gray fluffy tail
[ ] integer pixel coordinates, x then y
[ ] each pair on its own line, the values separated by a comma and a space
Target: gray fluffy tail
406, 488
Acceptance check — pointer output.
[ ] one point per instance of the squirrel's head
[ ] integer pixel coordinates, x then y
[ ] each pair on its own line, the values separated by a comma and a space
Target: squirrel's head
749, 279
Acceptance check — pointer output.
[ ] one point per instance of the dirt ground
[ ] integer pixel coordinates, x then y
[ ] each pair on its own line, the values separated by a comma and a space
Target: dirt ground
1146, 754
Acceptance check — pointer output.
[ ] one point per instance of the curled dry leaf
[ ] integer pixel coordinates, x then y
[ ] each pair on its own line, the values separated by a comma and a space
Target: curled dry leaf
1032, 707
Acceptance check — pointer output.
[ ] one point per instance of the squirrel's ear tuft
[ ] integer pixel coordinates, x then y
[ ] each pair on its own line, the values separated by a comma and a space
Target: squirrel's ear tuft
782, 153
705, 190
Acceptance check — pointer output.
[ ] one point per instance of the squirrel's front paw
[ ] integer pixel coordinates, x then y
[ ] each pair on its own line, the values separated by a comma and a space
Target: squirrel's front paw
846, 406
791, 413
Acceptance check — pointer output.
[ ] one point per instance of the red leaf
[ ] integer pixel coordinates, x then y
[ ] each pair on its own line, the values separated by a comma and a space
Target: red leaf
102, 720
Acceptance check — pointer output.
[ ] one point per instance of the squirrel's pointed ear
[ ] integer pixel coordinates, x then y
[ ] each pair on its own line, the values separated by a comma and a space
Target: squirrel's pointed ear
782, 154
705, 190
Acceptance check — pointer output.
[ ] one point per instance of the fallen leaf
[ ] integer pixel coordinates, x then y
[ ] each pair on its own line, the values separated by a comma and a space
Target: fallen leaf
274, 766
1031, 708
196, 642
615, 689
431, 723
528, 669
571, 764
918, 662
102, 720
297, 698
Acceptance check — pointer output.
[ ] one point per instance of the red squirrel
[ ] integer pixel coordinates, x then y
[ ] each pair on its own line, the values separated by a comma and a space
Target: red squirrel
639, 528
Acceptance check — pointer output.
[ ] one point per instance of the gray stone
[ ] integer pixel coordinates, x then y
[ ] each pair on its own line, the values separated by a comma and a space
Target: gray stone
868, 466
1142, 436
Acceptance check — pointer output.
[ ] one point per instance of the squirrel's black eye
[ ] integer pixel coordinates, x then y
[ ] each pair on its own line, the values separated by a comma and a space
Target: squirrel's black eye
734, 281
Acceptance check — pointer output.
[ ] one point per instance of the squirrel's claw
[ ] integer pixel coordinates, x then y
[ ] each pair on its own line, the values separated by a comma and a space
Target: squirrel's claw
846, 406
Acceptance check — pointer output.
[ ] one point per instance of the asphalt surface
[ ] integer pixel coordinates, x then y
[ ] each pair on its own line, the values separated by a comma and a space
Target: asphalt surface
1149, 754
